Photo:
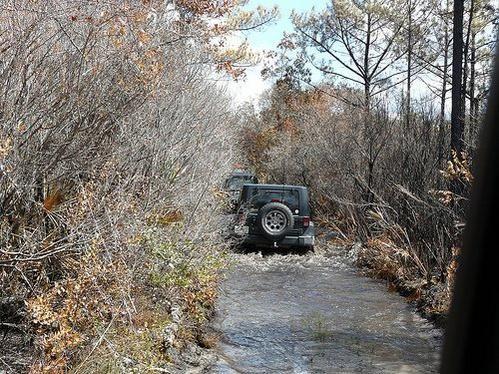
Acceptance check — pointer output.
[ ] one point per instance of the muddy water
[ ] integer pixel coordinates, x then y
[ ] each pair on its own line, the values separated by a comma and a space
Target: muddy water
316, 314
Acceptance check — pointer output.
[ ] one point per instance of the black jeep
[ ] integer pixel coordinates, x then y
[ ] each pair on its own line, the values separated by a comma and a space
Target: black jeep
275, 216
234, 184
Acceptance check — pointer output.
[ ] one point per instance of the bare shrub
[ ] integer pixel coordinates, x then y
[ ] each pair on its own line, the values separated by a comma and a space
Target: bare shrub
111, 125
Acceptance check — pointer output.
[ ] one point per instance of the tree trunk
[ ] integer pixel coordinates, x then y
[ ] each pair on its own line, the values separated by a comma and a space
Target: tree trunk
367, 113
465, 67
457, 120
443, 95
409, 63
473, 120
367, 79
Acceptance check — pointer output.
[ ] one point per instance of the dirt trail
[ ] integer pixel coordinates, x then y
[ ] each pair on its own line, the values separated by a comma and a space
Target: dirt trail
316, 314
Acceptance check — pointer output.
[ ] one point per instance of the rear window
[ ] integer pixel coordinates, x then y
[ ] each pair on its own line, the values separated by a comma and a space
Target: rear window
259, 197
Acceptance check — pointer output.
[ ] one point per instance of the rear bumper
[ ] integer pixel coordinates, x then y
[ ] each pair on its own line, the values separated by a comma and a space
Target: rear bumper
287, 242
306, 240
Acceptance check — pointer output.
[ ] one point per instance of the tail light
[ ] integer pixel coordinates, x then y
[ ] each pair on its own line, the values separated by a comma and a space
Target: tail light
306, 221
275, 200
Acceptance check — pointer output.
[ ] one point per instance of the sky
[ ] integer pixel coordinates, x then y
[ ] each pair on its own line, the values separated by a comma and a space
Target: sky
266, 39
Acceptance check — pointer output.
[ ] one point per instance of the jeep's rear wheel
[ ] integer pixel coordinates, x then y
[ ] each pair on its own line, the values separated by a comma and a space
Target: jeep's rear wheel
275, 221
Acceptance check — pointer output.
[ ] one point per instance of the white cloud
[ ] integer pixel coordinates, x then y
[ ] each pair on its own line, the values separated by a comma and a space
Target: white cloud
249, 89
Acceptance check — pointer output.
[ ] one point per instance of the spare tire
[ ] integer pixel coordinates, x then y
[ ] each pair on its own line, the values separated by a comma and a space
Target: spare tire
275, 220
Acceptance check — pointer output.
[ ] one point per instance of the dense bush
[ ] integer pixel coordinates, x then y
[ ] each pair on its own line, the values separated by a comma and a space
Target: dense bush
112, 125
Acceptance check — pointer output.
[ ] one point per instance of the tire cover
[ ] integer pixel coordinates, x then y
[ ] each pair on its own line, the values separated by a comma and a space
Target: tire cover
282, 212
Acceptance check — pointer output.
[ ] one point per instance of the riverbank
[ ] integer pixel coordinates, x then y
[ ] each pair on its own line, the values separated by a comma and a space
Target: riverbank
147, 314
173, 294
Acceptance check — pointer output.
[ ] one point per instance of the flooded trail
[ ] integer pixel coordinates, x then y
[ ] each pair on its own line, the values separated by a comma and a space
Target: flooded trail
316, 314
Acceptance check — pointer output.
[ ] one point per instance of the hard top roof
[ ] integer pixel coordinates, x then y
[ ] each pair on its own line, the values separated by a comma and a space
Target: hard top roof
241, 173
275, 186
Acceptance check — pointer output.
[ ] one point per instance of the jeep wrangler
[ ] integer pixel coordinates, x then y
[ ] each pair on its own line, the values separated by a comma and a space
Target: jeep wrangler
275, 216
